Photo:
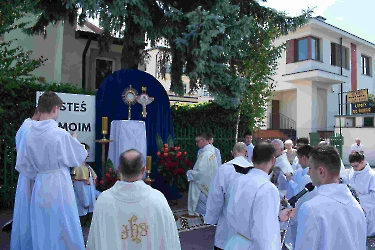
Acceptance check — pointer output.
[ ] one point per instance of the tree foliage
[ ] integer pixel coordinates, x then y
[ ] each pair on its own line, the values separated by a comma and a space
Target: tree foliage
208, 40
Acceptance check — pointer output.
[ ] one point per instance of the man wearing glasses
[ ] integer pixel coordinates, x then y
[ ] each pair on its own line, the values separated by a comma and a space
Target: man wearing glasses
200, 176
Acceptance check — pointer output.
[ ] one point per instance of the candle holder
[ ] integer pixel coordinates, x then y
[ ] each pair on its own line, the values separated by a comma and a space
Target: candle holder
104, 132
148, 180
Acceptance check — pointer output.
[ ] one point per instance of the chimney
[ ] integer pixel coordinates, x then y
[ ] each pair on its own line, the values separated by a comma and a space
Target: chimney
320, 18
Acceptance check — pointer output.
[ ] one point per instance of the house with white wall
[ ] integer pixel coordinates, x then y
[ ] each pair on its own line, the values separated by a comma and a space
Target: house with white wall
73, 57
308, 82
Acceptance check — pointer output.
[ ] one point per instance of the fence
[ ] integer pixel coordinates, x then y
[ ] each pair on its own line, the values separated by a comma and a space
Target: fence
8, 174
224, 139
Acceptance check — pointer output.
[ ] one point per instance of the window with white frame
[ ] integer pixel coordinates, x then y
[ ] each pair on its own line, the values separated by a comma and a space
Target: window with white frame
366, 65
103, 68
335, 56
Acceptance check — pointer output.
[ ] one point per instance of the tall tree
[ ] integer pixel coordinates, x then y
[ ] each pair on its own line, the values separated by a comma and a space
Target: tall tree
213, 42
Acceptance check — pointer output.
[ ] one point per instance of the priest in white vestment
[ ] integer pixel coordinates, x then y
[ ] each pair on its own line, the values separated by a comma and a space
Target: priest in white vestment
342, 167
131, 214
333, 219
201, 175
283, 164
253, 207
362, 179
217, 151
21, 234
49, 153
218, 196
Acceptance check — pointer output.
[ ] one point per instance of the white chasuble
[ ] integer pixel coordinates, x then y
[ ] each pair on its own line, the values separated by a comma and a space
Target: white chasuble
133, 215
218, 197
253, 210
49, 152
201, 176
21, 234
364, 183
332, 220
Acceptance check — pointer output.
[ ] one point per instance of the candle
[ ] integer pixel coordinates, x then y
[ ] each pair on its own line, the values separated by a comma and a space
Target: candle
148, 163
105, 124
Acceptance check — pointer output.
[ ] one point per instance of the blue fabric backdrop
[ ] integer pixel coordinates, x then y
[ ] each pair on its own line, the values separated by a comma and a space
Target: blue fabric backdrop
109, 103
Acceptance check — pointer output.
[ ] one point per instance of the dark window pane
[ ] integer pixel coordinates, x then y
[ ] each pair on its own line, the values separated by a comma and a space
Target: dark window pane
103, 69
368, 122
315, 49
302, 50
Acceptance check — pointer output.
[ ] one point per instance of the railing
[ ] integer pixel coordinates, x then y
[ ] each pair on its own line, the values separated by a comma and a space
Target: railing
284, 122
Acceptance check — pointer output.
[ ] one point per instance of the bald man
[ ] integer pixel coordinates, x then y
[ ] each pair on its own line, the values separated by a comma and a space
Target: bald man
218, 195
131, 214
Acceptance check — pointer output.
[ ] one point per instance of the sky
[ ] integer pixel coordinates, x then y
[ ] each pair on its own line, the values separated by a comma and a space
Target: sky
354, 16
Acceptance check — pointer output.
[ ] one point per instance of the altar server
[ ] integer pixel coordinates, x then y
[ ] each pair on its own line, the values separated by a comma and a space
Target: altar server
300, 142
248, 139
362, 179
85, 190
333, 219
201, 175
254, 204
297, 182
283, 164
131, 214
218, 195
342, 167
49, 152
21, 234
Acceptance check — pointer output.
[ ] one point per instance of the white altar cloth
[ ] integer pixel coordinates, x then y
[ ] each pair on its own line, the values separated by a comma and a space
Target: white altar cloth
127, 134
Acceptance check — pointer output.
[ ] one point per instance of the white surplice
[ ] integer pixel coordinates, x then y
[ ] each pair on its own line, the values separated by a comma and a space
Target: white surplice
133, 215
333, 220
302, 179
282, 162
364, 182
21, 234
253, 210
200, 178
218, 198
48, 153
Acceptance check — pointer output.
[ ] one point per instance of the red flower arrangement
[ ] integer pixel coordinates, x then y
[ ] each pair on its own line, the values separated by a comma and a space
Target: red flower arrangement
109, 178
172, 164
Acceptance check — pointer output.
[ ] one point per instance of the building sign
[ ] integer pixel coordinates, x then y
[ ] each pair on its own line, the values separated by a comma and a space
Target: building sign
357, 96
77, 114
361, 108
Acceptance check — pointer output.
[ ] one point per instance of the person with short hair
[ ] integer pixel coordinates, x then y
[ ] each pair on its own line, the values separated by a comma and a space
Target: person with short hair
297, 183
342, 167
333, 219
218, 195
357, 147
21, 234
300, 141
248, 139
217, 151
362, 179
49, 153
282, 167
254, 205
200, 176
132, 214
84, 183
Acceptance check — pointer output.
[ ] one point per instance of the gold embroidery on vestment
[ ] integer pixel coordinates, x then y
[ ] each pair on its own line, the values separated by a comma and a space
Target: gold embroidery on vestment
136, 230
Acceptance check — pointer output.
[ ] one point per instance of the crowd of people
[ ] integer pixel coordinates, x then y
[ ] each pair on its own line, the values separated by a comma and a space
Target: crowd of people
268, 196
